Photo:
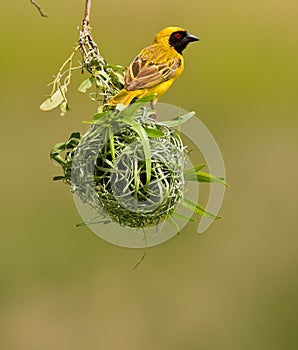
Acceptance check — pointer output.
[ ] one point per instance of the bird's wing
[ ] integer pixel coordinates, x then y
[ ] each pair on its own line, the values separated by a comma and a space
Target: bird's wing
147, 71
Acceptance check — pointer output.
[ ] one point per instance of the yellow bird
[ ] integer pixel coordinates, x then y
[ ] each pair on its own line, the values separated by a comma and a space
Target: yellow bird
156, 67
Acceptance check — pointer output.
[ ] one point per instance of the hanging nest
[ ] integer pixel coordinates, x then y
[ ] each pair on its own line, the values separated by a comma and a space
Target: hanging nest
130, 170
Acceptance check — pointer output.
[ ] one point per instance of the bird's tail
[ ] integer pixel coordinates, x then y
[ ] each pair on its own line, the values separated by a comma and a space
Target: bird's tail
124, 97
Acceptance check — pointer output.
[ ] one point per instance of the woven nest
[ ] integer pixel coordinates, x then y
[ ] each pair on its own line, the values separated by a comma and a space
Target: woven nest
109, 172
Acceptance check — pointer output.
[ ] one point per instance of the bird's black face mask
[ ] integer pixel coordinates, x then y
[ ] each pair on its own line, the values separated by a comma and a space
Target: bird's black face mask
179, 40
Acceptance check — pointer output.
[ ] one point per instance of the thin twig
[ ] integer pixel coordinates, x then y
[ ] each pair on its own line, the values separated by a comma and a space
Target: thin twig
38, 8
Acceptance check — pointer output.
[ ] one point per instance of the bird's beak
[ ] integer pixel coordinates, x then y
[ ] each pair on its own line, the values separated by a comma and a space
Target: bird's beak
189, 38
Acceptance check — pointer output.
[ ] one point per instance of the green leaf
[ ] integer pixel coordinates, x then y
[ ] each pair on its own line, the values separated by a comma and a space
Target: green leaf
100, 115
59, 147
145, 99
116, 78
131, 110
179, 120
75, 135
153, 132
86, 84
58, 178
57, 158
196, 208
55, 100
55, 153
72, 143
115, 67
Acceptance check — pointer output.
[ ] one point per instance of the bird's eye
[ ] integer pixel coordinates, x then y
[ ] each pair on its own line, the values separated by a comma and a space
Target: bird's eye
177, 35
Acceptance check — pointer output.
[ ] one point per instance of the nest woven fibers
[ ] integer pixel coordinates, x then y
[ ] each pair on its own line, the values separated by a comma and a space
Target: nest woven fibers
129, 168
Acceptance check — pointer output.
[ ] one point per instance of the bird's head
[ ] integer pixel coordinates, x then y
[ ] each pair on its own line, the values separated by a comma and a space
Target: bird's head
176, 37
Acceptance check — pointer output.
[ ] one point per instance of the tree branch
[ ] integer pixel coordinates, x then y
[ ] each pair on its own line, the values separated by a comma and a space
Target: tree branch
86, 41
38, 8
86, 19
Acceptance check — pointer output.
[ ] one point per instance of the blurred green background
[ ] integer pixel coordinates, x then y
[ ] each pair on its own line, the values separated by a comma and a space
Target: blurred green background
235, 286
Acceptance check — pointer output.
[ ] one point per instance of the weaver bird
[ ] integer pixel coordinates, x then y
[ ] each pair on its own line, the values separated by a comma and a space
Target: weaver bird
154, 70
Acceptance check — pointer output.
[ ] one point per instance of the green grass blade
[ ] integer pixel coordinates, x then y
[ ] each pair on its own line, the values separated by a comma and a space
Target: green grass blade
182, 217
145, 142
178, 120
197, 208
112, 145
131, 110
201, 176
206, 177
173, 223
190, 174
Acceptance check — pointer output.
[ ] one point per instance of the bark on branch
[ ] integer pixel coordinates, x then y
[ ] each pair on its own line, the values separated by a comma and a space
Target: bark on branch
86, 19
86, 41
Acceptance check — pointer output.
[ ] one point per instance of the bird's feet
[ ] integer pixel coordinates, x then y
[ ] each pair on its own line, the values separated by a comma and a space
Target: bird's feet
153, 114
